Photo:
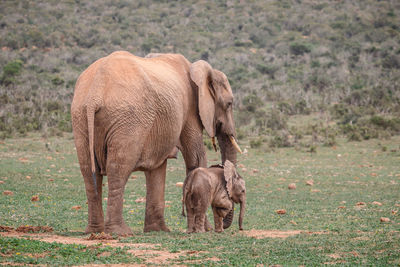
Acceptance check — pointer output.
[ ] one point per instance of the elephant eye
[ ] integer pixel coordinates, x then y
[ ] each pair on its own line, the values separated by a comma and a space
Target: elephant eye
228, 105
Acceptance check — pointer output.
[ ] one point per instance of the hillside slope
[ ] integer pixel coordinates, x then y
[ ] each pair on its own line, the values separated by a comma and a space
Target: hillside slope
281, 57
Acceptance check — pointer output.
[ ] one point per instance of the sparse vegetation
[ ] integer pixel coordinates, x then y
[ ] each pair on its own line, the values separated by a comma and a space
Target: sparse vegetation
336, 58
343, 210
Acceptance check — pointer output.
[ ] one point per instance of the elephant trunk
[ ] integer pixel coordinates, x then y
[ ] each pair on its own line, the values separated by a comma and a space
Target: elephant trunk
228, 150
241, 214
228, 219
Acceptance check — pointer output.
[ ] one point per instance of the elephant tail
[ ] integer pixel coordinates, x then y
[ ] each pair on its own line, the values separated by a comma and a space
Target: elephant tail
90, 111
185, 193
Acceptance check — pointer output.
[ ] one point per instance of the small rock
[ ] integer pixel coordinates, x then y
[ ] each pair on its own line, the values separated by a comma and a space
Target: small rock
28, 177
76, 207
310, 182
360, 204
292, 186
35, 198
282, 211
384, 219
51, 180
1, 182
179, 184
140, 200
8, 193
377, 203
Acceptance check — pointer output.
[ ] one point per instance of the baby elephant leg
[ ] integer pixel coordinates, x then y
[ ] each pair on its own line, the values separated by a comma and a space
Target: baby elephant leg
190, 220
218, 220
199, 222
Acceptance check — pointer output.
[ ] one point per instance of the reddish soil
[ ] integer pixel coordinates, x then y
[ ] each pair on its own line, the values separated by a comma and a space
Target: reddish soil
151, 253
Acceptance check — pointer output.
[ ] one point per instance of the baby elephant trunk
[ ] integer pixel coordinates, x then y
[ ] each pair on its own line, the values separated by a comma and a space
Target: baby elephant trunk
241, 214
228, 219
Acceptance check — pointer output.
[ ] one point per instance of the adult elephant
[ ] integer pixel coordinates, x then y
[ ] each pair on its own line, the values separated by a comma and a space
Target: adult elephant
129, 113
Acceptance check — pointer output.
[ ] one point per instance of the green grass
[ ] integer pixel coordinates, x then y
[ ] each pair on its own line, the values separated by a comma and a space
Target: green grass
343, 176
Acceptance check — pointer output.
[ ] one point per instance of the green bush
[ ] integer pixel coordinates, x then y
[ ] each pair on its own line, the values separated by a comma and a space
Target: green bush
280, 139
56, 80
256, 143
276, 120
267, 69
10, 70
299, 49
252, 102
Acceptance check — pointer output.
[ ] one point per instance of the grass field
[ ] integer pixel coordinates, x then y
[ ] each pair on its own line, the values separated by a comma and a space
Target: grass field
334, 219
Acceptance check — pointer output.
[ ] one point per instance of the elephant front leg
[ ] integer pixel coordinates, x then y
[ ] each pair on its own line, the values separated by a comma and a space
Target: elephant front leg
155, 186
116, 186
218, 220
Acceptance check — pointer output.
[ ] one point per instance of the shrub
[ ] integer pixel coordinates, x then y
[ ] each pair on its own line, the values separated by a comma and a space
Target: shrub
267, 69
10, 70
299, 49
256, 143
56, 80
252, 102
280, 139
276, 120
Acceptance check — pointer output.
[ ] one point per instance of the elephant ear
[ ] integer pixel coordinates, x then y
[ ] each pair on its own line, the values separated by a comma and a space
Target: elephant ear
200, 73
229, 174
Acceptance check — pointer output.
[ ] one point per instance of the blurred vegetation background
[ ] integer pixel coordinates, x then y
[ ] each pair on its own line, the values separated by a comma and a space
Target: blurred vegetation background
298, 68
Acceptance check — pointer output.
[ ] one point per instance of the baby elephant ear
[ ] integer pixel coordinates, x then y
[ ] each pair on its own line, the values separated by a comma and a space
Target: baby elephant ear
229, 174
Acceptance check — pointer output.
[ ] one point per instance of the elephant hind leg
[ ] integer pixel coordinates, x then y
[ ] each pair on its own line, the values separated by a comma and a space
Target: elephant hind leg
190, 220
95, 208
117, 177
155, 204
200, 209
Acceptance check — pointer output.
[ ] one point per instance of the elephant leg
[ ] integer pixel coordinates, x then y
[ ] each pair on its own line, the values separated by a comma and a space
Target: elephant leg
218, 221
155, 185
190, 220
117, 177
199, 223
95, 208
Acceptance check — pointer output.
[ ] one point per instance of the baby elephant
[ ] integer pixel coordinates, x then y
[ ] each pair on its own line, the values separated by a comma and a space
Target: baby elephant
218, 186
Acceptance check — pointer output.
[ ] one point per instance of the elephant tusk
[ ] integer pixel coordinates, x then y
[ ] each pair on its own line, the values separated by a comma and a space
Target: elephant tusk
234, 143
213, 143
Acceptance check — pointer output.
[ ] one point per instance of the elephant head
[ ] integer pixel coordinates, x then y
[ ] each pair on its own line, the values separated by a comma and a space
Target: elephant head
236, 187
215, 100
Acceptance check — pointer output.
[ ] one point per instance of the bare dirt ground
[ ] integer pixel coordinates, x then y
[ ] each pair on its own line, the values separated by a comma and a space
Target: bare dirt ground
260, 234
150, 253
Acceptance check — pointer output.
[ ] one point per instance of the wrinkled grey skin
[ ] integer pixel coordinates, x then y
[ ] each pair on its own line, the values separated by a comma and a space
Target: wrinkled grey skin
217, 186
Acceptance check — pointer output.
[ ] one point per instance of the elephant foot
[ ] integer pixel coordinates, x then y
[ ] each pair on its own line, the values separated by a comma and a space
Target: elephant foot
219, 230
156, 227
94, 229
119, 229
